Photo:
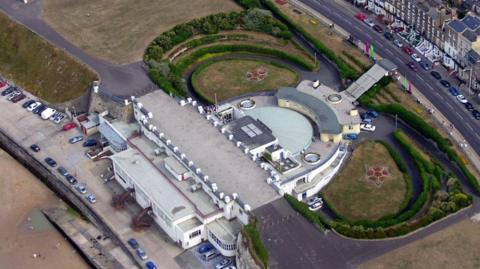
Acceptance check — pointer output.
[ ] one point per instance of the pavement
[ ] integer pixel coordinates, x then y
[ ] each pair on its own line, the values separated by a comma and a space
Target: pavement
344, 18
122, 81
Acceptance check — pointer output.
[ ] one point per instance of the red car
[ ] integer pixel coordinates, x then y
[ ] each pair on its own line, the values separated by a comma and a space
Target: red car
408, 50
69, 126
361, 16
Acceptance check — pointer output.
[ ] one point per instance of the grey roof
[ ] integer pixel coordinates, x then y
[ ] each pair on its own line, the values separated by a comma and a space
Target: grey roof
471, 22
473, 56
457, 25
470, 35
325, 117
259, 136
111, 135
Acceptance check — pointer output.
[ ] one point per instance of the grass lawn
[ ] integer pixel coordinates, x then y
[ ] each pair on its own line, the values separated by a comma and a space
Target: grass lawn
452, 247
120, 30
328, 37
44, 70
248, 38
357, 198
228, 78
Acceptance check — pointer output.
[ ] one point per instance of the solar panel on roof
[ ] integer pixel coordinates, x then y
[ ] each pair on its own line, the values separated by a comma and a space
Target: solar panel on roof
254, 129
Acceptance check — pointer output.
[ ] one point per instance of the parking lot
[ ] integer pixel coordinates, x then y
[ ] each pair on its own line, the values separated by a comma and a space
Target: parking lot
27, 129
191, 259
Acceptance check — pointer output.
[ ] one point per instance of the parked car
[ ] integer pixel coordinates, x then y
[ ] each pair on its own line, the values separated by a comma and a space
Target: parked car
453, 91
369, 22
62, 171
223, 263
210, 255
27, 103
8, 90
35, 147
18, 98
141, 253
445, 83
361, 16
367, 127
133, 243
33, 106
91, 198
372, 113
315, 206
150, 265
59, 118
39, 109
13, 95
462, 99
412, 66
350, 136
90, 143
476, 114
398, 43
468, 106
81, 188
377, 28
230, 267
424, 66
205, 248
75, 139
408, 50
69, 126
389, 36
47, 113
51, 162
314, 200
436, 75
71, 179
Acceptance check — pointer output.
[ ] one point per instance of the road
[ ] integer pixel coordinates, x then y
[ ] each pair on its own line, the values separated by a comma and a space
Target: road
423, 81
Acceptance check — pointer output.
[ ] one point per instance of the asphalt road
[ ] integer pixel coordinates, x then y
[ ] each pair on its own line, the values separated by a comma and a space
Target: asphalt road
423, 81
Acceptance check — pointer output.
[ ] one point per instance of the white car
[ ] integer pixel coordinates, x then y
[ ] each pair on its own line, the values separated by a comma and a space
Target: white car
91, 198
367, 127
462, 99
315, 206
369, 22
223, 263
398, 43
314, 200
81, 188
416, 57
33, 106
47, 113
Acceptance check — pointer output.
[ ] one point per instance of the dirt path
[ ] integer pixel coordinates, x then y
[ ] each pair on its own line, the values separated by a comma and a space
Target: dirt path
25, 231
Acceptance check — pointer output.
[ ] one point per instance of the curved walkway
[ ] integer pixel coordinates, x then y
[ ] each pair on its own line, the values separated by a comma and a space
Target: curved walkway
121, 81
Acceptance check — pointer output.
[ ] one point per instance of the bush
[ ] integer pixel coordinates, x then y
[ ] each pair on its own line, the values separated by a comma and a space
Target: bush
249, 3
311, 216
250, 231
346, 71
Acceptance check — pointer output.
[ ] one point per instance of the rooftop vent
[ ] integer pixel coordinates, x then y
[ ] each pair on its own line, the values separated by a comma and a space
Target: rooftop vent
334, 98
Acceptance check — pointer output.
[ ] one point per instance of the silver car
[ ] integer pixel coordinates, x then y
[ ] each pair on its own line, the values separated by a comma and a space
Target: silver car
75, 139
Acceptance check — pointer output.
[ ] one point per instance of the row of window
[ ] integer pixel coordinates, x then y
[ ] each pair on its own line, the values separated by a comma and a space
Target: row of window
195, 234
220, 242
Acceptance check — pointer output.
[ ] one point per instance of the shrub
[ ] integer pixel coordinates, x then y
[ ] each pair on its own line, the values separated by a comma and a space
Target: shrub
249, 3
250, 231
311, 216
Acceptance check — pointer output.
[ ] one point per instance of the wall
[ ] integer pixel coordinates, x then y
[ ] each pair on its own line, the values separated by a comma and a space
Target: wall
115, 109
244, 258
57, 185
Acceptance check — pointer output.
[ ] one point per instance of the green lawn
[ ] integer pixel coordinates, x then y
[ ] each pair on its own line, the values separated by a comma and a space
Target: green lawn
356, 197
228, 78
39, 67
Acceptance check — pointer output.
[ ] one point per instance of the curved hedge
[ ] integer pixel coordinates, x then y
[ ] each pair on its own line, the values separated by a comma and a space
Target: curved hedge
311, 216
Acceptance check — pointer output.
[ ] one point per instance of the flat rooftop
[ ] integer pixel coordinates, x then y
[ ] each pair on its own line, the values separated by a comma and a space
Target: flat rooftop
210, 150
252, 133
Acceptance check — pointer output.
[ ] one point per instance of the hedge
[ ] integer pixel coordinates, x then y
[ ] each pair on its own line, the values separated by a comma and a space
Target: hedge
184, 63
164, 83
252, 20
311, 216
250, 231
346, 71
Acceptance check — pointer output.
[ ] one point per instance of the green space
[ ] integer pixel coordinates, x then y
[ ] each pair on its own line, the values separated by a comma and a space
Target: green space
233, 77
255, 243
39, 67
357, 196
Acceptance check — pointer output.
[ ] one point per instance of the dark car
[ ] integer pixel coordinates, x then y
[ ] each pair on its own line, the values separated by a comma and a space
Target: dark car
37, 109
62, 171
445, 83
412, 66
133, 243
476, 114
205, 248
35, 147
436, 75
18, 98
372, 113
378, 29
71, 179
9, 90
90, 143
351, 136
27, 103
424, 66
389, 36
51, 162
468, 106
150, 265
453, 91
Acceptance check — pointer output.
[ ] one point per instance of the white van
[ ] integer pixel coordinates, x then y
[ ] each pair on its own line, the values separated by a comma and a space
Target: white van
47, 113
209, 255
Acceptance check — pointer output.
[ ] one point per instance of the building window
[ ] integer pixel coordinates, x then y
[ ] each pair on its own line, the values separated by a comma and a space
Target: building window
195, 234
